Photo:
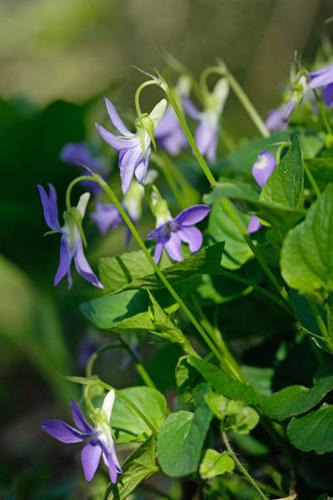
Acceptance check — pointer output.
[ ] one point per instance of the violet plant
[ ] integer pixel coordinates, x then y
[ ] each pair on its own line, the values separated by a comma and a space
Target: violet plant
230, 426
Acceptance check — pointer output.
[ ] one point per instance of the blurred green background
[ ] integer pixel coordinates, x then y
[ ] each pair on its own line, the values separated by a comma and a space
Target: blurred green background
57, 59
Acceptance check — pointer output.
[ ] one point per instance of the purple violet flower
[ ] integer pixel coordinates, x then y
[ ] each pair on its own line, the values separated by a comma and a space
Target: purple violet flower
206, 134
172, 232
134, 149
98, 440
277, 119
323, 78
71, 244
79, 155
169, 133
262, 169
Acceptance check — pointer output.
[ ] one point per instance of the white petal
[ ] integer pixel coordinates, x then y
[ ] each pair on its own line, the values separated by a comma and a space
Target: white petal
158, 111
108, 403
83, 202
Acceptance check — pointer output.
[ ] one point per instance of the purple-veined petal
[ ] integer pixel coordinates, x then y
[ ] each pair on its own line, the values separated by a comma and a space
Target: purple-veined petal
115, 118
90, 457
128, 161
206, 137
263, 168
190, 109
106, 216
111, 461
192, 215
321, 77
254, 225
79, 419
65, 262
328, 95
192, 236
116, 141
173, 247
156, 233
158, 251
142, 167
50, 207
82, 265
63, 432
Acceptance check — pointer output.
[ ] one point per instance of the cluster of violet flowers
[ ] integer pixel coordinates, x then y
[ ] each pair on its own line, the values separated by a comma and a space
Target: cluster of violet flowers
161, 128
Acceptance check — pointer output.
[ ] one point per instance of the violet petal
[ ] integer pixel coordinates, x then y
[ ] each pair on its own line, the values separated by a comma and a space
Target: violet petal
90, 457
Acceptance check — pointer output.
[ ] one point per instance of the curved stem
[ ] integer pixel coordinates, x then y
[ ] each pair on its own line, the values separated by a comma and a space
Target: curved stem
138, 92
241, 467
247, 104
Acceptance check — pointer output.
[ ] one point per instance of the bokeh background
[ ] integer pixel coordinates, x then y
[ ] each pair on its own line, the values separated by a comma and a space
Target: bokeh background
57, 60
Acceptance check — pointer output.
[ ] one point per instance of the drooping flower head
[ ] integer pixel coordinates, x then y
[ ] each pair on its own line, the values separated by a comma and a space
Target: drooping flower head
79, 155
72, 237
323, 78
169, 133
277, 119
262, 169
170, 233
98, 439
206, 134
134, 148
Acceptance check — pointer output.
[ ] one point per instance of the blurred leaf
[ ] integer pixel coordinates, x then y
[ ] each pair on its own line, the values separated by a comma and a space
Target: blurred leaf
138, 466
29, 320
311, 142
127, 424
182, 436
215, 464
307, 252
313, 431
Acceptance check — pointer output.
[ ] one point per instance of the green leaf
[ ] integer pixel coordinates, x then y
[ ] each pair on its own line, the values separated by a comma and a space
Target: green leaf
235, 415
163, 324
311, 142
221, 228
206, 261
124, 311
215, 464
314, 431
285, 185
182, 436
127, 424
139, 466
296, 399
118, 271
307, 252
225, 384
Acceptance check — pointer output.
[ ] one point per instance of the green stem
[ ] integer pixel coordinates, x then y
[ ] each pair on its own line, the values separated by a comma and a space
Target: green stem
229, 361
113, 198
241, 467
138, 93
312, 180
188, 134
322, 112
247, 104
123, 345
321, 324
138, 365
227, 205
257, 288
